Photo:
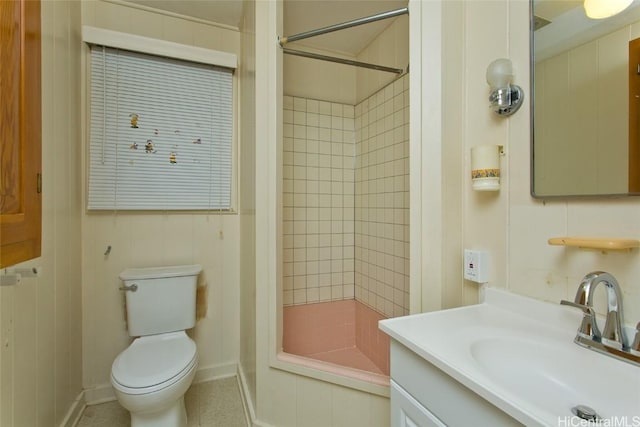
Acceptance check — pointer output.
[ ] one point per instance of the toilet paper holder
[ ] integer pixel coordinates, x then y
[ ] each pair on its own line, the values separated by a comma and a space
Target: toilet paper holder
13, 276
485, 167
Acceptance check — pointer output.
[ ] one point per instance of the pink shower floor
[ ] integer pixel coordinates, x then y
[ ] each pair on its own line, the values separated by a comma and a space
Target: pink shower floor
340, 337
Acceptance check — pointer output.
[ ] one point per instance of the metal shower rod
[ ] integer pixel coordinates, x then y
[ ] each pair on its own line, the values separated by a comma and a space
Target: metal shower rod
360, 21
331, 28
341, 60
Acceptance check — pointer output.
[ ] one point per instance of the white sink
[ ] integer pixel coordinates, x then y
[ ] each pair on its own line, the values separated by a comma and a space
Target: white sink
518, 353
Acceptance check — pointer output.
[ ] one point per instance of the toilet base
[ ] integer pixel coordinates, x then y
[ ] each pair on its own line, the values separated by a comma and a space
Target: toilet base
161, 408
174, 415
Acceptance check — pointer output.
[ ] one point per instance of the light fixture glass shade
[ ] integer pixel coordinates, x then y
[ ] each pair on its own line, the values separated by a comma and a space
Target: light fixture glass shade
500, 74
505, 97
600, 9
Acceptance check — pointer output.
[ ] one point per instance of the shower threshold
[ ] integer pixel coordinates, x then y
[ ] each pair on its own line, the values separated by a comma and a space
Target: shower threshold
349, 357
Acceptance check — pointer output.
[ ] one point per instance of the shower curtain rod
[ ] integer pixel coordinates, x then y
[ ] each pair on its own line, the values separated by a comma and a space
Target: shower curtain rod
341, 60
360, 21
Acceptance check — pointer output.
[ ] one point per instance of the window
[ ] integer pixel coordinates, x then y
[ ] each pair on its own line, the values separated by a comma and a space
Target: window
161, 133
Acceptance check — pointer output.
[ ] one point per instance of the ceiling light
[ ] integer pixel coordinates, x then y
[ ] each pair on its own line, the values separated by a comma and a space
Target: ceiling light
600, 9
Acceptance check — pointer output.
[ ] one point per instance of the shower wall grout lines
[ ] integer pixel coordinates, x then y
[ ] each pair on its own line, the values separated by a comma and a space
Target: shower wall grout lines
382, 200
346, 200
318, 201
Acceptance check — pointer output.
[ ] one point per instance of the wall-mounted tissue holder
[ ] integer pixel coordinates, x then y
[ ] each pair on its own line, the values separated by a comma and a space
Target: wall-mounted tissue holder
13, 276
485, 167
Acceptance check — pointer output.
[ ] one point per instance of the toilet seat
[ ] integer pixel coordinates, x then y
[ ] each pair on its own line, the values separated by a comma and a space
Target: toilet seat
154, 362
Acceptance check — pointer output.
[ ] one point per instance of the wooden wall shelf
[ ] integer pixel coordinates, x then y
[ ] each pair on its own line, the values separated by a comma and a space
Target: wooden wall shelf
605, 244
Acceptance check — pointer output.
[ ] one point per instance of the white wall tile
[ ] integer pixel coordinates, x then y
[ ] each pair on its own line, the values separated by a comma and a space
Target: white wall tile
381, 205
340, 214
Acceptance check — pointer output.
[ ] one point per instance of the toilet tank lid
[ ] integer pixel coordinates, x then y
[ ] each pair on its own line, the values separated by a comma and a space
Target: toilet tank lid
160, 272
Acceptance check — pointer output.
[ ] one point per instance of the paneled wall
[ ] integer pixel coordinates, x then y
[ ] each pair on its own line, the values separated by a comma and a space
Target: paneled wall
41, 318
553, 273
144, 239
582, 111
382, 200
511, 225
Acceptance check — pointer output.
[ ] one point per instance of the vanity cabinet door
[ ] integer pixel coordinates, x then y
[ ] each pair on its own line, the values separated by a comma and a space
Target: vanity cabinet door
20, 131
408, 412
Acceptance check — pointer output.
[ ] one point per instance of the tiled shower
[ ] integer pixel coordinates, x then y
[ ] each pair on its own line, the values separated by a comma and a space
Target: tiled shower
318, 201
382, 200
346, 200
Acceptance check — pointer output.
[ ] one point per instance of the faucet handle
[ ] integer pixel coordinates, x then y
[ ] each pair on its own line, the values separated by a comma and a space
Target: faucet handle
588, 328
585, 308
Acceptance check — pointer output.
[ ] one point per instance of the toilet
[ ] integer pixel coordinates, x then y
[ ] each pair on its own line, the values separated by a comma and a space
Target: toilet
151, 376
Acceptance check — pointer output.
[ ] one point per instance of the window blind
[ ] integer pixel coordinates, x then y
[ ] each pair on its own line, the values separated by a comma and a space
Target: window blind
161, 133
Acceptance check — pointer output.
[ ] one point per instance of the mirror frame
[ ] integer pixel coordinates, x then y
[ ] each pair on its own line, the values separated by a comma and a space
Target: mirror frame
532, 191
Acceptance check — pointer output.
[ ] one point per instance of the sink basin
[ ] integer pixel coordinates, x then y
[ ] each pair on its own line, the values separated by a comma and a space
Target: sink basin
552, 379
519, 354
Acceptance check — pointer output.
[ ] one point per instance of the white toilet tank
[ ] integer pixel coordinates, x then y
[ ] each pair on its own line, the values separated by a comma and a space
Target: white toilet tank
164, 299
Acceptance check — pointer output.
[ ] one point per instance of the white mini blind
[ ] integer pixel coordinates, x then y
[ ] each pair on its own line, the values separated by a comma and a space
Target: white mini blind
161, 133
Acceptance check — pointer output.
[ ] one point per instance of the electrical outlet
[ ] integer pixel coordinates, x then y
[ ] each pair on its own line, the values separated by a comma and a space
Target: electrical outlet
476, 266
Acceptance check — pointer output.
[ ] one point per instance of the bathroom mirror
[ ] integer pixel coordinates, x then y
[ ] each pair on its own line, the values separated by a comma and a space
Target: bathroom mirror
585, 101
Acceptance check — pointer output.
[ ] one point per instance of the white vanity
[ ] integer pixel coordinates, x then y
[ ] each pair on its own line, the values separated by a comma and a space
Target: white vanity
508, 361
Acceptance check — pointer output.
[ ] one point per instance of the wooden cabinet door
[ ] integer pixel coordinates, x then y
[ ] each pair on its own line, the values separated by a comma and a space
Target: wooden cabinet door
634, 116
20, 131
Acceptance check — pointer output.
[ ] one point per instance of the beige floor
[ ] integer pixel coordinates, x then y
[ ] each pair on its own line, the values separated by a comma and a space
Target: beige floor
210, 404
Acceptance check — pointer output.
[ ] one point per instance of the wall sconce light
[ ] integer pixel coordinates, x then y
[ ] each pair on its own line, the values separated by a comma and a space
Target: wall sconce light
600, 9
505, 97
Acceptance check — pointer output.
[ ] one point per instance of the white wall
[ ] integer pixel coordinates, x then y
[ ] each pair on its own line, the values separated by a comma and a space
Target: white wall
309, 78
582, 113
548, 272
391, 49
346, 84
485, 216
512, 225
248, 201
158, 238
40, 319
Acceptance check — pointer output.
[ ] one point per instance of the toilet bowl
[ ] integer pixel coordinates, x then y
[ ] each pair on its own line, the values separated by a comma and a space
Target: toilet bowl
151, 377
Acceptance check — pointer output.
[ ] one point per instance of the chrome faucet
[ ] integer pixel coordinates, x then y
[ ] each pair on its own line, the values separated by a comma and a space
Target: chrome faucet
611, 340
584, 301
612, 333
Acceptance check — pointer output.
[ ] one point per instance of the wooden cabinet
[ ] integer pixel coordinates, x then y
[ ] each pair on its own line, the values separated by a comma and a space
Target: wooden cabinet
20, 131
634, 115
